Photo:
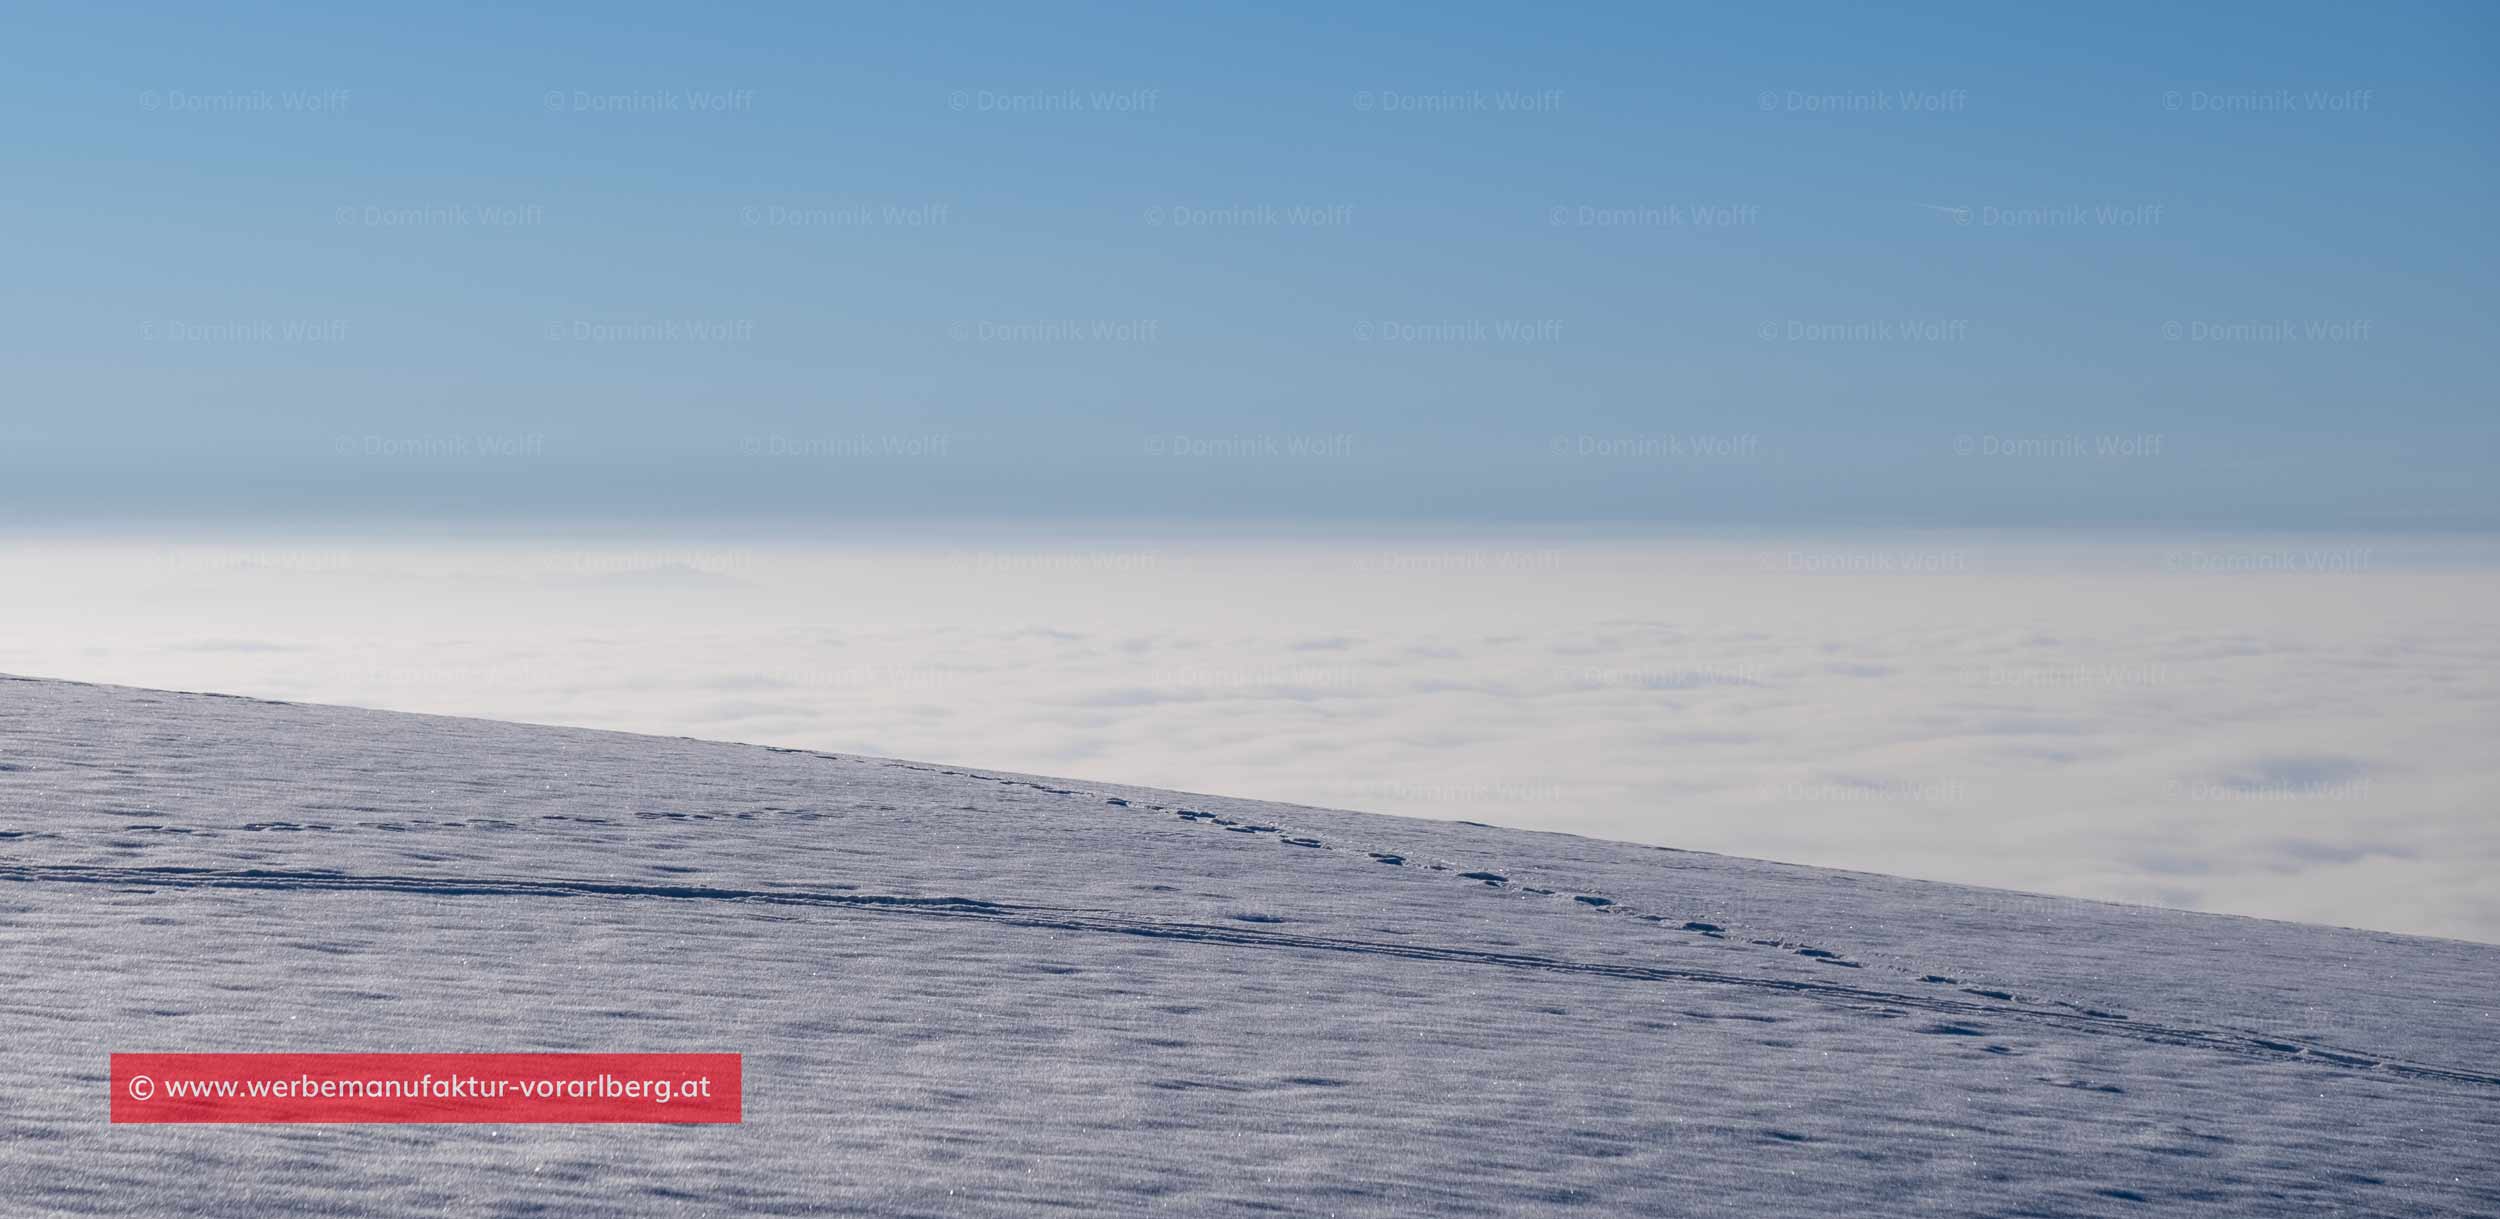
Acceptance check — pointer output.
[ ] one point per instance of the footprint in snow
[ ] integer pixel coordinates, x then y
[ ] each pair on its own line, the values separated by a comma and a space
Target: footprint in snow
2083, 1085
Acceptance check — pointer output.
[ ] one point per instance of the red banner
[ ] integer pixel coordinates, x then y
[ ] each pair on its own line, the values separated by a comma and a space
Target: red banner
427, 1088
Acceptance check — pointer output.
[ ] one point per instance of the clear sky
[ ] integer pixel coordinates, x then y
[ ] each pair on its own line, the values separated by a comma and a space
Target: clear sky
2088, 265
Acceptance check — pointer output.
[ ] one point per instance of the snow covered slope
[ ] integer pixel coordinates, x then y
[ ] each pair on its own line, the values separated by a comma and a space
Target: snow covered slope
968, 993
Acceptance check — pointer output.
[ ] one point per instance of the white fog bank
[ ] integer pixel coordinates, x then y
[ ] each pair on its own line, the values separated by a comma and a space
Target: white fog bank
2291, 728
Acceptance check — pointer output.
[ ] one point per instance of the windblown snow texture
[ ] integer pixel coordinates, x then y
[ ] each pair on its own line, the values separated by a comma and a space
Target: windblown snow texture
969, 993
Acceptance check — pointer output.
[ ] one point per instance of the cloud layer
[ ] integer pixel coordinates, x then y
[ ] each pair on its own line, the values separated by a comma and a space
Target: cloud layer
2285, 728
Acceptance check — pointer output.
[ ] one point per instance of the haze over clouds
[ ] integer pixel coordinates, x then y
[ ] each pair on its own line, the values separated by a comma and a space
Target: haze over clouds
2286, 727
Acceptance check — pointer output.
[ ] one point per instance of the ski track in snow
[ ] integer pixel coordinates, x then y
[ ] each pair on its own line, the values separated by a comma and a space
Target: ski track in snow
271, 801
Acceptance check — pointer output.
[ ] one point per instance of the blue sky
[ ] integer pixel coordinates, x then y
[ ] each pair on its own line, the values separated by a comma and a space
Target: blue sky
1795, 265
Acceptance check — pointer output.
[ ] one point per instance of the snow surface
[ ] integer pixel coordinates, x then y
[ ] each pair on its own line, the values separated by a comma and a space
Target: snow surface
961, 992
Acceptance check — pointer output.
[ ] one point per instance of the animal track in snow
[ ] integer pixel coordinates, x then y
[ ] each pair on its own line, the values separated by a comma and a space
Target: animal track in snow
1956, 1013
1490, 879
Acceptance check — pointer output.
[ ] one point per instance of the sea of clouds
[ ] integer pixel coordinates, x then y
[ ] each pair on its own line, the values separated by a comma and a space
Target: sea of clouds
2286, 727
